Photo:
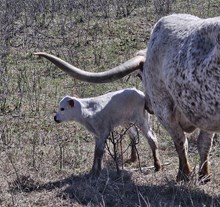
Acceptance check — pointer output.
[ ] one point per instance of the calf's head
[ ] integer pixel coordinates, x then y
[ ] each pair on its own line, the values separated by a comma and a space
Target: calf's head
67, 110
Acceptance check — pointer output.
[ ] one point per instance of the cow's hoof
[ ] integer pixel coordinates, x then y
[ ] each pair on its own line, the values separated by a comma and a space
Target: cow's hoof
183, 176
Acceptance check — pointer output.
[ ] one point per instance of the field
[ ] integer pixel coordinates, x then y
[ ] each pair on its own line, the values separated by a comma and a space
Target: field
46, 164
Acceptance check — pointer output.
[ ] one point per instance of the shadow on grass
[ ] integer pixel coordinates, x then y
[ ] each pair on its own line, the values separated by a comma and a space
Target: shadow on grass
111, 189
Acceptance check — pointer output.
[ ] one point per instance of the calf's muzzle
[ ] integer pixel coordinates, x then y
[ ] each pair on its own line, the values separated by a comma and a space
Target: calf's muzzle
55, 119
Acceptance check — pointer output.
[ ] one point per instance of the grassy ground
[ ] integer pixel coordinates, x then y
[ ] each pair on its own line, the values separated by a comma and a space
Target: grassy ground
45, 164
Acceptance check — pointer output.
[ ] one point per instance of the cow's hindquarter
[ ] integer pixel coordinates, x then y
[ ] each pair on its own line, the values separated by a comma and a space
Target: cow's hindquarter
166, 114
193, 75
161, 49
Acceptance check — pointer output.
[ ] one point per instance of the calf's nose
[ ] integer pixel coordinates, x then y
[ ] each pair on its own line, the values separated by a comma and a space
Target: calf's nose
55, 119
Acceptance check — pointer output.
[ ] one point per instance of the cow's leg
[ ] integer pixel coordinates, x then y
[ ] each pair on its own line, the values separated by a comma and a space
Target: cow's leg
181, 144
98, 154
152, 140
204, 144
169, 119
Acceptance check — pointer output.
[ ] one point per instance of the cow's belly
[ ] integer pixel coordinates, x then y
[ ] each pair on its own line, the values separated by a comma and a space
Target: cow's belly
205, 116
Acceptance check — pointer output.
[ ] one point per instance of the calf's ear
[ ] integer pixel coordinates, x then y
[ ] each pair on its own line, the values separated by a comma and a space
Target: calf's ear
71, 102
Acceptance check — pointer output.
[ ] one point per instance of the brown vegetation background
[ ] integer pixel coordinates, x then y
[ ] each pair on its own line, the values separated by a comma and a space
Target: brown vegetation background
44, 164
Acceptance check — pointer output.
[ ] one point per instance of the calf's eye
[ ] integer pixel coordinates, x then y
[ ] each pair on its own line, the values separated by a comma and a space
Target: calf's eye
62, 109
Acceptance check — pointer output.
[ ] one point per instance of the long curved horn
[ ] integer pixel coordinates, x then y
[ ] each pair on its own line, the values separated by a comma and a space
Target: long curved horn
100, 77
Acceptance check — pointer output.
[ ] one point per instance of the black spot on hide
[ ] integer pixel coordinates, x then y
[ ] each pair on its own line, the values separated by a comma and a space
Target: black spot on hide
183, 76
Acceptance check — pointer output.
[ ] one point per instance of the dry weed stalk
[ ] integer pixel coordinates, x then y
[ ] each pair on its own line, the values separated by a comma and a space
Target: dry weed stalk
117, 152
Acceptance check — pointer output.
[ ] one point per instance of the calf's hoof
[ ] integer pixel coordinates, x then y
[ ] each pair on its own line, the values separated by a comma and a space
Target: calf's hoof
203, 179
94, 173
130, 161
157, 166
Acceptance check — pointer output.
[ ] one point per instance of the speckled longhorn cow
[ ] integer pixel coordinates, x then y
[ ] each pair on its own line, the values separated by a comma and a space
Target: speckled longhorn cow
181, 76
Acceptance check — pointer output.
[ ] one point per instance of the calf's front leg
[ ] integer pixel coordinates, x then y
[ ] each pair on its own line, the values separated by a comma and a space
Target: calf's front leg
98, 154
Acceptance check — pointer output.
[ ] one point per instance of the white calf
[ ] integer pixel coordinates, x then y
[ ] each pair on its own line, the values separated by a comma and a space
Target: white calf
100, 115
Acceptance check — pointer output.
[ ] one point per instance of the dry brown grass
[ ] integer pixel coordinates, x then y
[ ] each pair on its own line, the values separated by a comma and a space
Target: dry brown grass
45, 164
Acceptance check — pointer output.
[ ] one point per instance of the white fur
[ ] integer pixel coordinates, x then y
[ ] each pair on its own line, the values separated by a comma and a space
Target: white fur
101, 114
181, 77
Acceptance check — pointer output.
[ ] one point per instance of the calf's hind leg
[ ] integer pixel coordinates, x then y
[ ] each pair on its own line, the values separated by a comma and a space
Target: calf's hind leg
152, 140
132, 133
